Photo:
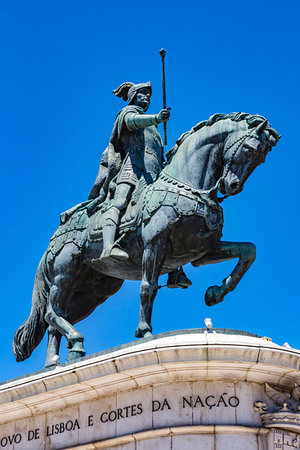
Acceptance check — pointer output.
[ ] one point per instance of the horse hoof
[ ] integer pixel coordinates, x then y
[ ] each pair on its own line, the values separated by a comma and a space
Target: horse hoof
213, 296
147, 334
55, 360
50, 365
142, 333
75, 354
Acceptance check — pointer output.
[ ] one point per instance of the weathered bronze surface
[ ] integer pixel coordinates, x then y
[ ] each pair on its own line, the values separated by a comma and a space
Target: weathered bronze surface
152, 216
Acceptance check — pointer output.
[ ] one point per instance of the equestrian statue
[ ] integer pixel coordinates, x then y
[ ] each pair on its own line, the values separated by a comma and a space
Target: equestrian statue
145, 217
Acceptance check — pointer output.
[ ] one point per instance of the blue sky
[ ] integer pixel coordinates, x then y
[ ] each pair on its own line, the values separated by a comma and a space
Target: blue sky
60, 62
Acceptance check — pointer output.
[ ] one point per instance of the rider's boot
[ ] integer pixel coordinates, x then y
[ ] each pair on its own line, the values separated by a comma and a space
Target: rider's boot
177, 279
111, 221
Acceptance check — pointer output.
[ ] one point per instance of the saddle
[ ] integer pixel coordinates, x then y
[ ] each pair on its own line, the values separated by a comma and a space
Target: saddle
78, 225
72, 229
130, 219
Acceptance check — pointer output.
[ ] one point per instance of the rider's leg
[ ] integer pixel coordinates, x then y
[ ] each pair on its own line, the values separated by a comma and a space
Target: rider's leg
111, 222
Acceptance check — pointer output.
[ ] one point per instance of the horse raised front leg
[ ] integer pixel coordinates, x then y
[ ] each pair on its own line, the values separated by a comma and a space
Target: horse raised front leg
153, 259
246, 253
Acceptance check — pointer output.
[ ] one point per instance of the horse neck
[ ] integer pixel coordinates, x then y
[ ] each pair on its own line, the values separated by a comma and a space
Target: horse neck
198, 161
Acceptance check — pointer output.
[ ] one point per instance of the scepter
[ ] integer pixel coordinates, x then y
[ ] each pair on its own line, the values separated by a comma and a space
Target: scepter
162, 53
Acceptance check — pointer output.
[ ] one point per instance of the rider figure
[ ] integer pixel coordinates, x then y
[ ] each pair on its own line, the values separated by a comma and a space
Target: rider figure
137, 143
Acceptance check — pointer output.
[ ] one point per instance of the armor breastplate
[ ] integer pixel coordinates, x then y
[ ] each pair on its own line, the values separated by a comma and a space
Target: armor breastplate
143, 155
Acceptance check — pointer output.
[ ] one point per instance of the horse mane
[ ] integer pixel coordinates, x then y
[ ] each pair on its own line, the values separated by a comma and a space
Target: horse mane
252, 121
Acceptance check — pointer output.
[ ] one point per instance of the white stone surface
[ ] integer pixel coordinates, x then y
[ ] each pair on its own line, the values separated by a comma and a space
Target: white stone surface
187, 438
156, 443
193, 442
177, 392
236, 442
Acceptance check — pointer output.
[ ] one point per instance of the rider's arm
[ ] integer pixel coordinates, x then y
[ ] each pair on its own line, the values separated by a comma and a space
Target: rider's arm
136, 122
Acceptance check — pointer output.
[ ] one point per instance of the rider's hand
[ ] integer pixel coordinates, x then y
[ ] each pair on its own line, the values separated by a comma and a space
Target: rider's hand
163, 116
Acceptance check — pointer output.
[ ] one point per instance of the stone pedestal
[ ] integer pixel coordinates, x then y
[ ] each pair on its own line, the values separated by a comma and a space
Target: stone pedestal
189, 389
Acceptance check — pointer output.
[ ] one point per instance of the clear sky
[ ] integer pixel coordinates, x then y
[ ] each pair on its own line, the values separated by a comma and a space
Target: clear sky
60, 61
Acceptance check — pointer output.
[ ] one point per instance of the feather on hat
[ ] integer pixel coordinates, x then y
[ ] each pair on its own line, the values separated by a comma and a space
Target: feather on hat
128, 90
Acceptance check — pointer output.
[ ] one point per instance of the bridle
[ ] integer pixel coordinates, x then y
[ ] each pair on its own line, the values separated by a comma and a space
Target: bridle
241, 139
240, 142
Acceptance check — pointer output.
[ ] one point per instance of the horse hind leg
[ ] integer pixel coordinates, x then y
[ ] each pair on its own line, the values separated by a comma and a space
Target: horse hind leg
54, 338
63, 284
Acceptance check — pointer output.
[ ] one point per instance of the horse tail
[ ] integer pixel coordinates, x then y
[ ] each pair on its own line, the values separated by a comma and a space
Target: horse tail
30, 334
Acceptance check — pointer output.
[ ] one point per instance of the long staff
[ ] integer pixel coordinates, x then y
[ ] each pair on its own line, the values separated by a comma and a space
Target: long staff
162, 53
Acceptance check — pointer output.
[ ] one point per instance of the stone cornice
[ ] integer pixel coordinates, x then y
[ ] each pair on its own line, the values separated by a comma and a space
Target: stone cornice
172, 431
188, 357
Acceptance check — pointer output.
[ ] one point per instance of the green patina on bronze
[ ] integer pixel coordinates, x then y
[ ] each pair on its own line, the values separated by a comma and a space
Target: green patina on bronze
145, 217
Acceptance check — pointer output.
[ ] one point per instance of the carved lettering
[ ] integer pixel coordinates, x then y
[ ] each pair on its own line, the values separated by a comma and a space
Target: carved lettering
33, 434
18, 438
233, 401
155, 405
121, 413
210, 401
198, 400
14, 439
165, 404
189, 402
222, 400
61, 427
158, 406
126, 410
210, 404
112, 416
102, 417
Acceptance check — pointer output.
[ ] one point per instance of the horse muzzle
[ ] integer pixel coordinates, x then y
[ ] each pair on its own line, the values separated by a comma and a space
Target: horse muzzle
230, 186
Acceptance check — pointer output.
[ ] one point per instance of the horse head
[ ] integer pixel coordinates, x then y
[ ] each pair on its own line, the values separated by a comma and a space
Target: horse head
244, 150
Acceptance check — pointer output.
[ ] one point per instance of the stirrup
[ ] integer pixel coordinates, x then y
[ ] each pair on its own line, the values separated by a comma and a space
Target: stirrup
113, 253
178, 279
117, 253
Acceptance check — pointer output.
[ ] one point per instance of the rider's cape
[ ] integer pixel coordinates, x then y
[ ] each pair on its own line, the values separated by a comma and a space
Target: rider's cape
112, 157
110, 165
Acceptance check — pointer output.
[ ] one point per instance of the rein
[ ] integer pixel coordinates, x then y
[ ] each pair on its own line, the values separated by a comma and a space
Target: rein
200, 192
229, 164
164, 176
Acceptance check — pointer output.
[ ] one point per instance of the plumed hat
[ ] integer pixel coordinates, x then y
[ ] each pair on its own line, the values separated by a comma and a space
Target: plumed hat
128, 90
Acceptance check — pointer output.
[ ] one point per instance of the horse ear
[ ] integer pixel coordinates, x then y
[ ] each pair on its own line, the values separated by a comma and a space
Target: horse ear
261, 127
273, 141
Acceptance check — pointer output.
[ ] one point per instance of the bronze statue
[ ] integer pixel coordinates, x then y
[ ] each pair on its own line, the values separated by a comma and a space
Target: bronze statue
133, 159
137, 143
173, 219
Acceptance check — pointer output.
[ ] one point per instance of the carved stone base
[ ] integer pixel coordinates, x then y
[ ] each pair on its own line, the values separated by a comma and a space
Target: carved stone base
183, 390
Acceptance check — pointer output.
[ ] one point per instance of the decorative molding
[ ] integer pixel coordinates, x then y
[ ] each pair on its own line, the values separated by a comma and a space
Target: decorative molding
173, 431
286, 415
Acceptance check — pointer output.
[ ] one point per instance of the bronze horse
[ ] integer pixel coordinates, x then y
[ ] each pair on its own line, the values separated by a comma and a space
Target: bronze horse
178, 219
